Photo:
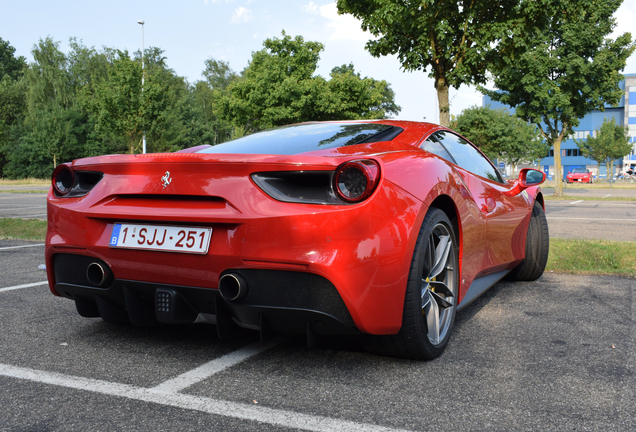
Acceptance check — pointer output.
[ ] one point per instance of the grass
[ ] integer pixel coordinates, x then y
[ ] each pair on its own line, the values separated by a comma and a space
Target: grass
592, 257
580, 198
22, 229
24, 191
25, 182
566, 256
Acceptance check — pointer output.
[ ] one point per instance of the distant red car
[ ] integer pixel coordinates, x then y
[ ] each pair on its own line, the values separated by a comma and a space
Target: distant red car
378, 228
579, 175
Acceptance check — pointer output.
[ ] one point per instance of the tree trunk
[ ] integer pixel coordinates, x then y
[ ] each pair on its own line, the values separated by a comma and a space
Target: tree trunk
442, 100
558, 174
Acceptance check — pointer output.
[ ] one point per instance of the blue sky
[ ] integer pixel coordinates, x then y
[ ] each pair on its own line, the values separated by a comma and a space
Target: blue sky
191, 31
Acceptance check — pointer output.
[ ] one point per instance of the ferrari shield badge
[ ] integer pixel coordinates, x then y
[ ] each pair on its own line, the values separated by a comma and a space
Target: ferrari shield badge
166, 180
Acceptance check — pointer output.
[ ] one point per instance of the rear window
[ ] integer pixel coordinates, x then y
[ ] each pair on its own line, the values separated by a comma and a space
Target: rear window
295, 139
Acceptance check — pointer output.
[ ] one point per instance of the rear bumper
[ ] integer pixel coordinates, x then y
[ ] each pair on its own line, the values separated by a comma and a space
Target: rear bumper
276, 301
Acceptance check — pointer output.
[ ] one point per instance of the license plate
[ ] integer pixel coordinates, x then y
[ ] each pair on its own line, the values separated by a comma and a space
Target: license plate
195, 240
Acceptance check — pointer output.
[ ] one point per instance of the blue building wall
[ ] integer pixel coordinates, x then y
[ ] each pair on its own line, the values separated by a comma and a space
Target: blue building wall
587, 125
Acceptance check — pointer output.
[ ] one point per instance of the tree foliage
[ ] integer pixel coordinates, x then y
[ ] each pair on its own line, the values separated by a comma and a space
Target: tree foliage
279, 87
10, 64
453, 38
611, 142
559, 65
89, 102
12, 96
500, 135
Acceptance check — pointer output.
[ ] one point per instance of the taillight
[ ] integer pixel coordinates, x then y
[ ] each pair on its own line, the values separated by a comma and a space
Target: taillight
356, 180
63, 179
70, 183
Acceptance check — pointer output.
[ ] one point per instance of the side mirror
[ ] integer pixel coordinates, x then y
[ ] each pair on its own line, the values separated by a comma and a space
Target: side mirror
527, 177
531, 177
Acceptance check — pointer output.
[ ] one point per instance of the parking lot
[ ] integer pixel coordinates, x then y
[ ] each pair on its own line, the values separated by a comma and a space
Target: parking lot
555, 354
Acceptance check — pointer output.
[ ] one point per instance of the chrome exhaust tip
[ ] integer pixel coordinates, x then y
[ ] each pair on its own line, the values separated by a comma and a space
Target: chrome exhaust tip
97, 274
232, 286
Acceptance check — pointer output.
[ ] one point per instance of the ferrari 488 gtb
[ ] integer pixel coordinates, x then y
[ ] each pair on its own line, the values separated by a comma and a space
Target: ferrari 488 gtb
383, 229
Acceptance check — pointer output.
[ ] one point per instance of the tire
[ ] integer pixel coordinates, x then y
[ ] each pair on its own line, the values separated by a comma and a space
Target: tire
430, 300
537, 248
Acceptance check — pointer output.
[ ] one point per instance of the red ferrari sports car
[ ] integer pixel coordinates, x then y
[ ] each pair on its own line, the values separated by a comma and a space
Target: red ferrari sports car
383, 229
579, 175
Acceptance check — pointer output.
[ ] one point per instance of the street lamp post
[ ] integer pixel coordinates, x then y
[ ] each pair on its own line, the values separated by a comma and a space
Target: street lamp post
142, 74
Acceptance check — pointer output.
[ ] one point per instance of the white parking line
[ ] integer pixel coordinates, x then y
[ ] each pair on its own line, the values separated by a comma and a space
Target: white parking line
576, 202
23, 246
27, 216
594, 219
605, 204
206, 370
607, 195
277, 417
20, 208
17, 287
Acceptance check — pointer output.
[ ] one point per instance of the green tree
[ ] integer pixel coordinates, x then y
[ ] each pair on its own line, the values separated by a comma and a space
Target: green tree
10, 64
560, 66
120, 104
279, 87
12, 97
54, 129
454, 39
500, 135
218, 77
355, 97
88, 70
610, 142
218, 74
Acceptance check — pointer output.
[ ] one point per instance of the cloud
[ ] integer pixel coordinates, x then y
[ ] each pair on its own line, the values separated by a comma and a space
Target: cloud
241, 16
625, 17
343, 27
311, 8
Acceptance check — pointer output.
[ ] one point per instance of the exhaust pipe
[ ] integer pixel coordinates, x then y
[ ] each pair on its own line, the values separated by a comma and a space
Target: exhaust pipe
232, 286
97, 274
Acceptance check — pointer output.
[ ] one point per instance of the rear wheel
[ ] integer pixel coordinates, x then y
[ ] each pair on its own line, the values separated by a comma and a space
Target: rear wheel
431, 295
537, 247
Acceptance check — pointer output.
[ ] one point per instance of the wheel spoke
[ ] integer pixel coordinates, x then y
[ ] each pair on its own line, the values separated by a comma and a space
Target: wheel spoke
442, 303
426, 294
430, 247
441, 288
438, 283
441, 255
431, 311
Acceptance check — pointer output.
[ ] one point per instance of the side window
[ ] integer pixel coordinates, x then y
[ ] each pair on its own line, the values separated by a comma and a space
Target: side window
467, 157
433, 145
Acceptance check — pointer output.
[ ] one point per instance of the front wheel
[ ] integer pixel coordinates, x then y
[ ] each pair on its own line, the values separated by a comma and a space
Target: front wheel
431, 295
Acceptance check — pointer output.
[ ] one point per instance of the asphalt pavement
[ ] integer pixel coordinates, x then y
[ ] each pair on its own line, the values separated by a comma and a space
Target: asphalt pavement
592, 220
555, 354
23, 205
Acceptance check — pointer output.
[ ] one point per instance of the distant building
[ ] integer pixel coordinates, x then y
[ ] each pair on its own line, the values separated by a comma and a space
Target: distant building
624, 115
